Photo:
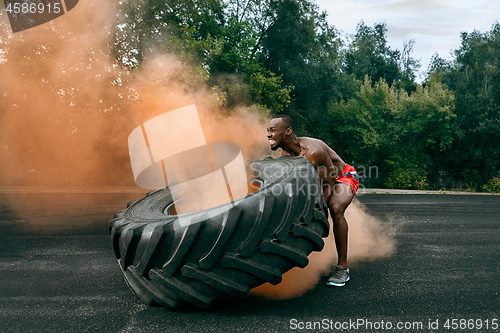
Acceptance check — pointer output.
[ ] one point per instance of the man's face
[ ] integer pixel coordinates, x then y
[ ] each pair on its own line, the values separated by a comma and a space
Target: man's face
276, 133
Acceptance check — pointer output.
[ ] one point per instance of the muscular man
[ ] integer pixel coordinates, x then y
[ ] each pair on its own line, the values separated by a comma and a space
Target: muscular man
338, 180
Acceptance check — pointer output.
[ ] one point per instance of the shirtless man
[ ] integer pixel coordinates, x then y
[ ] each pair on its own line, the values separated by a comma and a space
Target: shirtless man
338, 180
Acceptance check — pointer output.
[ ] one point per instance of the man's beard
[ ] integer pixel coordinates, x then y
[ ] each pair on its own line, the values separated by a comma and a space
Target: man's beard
273, 148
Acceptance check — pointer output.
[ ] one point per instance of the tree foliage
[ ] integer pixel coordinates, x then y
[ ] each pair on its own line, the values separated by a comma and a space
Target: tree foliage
474, 77
283, 56
403, 134
358, 94
369, 54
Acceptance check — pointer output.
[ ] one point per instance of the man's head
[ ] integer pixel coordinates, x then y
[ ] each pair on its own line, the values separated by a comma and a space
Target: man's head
280, 129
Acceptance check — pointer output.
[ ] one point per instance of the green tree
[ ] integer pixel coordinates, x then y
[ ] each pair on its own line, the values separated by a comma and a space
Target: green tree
146, 26
401, 134
300, 45
438, 67
474, 77
369, 54
267, 90
215, 38
407, 68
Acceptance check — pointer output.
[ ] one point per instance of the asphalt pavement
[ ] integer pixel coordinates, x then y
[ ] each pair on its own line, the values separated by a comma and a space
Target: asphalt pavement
58, 273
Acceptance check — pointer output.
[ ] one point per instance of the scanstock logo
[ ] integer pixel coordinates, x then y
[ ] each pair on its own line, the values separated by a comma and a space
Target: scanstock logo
25, 14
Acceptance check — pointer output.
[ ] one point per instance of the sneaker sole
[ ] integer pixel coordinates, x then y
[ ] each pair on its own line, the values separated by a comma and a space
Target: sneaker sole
329, 283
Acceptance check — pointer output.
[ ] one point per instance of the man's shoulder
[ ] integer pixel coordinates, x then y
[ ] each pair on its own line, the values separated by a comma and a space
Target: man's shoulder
313, 145
308, 142
315, 150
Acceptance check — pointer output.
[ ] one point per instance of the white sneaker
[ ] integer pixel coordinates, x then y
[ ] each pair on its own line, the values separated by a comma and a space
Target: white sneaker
339, 277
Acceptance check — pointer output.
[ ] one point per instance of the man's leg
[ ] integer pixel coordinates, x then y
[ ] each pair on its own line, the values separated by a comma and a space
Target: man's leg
340, 199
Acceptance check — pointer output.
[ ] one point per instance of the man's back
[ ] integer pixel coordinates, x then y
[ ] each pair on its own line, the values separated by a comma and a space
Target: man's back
325, 159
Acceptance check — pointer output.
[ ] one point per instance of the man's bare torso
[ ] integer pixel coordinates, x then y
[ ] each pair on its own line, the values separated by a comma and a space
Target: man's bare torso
327, 162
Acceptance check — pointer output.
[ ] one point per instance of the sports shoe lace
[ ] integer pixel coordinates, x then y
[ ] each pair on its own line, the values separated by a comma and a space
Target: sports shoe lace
338, 273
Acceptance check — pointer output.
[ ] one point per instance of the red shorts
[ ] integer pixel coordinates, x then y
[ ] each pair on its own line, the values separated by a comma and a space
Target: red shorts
350, 177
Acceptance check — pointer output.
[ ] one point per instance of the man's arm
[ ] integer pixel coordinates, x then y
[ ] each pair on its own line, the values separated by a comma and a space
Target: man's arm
319, 158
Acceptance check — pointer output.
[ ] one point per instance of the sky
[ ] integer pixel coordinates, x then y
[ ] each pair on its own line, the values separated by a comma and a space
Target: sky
435, 25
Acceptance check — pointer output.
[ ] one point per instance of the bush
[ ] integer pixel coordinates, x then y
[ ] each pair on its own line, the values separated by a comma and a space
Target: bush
493, 186
407, 178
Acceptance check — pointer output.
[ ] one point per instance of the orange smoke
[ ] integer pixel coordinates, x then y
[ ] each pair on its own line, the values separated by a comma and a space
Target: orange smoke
68, 108
62, 114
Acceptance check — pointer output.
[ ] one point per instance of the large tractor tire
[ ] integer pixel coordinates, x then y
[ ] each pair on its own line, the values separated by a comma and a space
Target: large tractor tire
254, 240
